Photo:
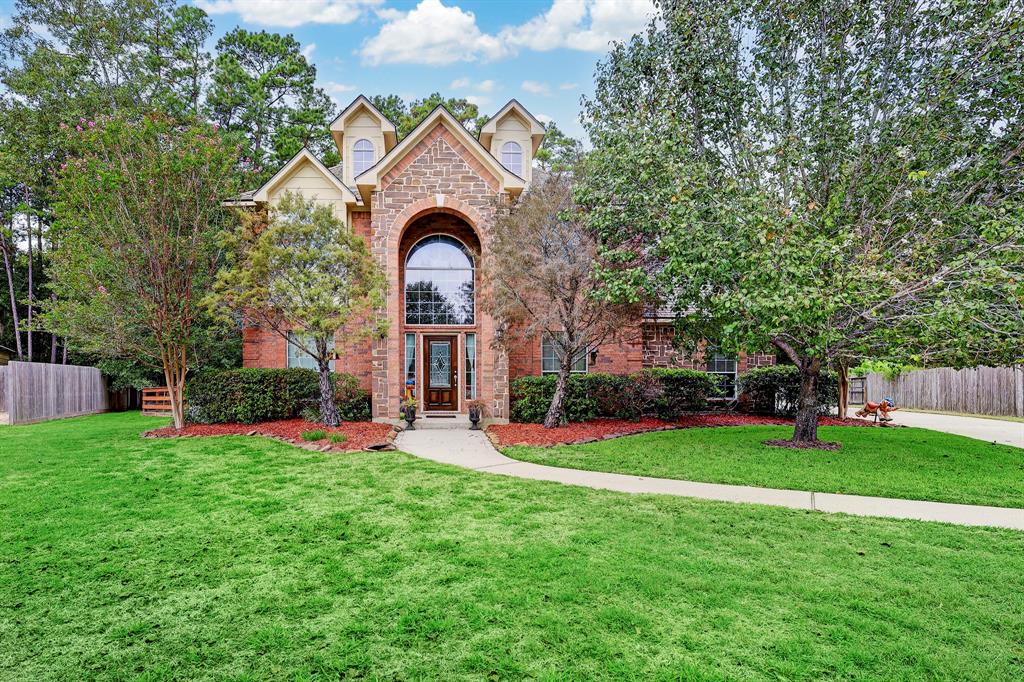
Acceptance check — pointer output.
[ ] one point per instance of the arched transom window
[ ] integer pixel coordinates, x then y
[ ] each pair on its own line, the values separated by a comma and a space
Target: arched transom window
512, 157
439, 287
362, 156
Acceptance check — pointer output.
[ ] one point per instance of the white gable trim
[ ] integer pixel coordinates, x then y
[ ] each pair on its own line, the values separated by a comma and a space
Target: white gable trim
513, 106
371, 179
304, 155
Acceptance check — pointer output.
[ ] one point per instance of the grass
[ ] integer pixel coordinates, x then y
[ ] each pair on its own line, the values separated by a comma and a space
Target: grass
241, 558
316, 434
337, 438
906, 463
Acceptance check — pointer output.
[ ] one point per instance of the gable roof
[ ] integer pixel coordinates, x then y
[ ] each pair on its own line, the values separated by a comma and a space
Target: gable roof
513, 106
303, 156
387, 126
370, 179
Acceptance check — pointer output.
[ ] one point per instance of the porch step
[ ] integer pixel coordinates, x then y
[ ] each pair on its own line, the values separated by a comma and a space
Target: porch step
456, 421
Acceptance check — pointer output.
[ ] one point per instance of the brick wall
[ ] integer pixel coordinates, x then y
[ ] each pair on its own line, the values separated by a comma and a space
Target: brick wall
660, 351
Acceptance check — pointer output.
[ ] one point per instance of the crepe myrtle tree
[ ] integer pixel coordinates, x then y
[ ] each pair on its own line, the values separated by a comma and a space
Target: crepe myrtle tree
541, 281
301, 273
135, 239
837, 180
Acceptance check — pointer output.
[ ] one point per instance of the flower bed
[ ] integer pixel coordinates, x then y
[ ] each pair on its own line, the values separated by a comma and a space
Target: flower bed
598, 429
358, 435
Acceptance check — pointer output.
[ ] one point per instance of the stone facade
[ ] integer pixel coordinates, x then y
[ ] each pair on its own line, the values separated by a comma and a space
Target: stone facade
441, 181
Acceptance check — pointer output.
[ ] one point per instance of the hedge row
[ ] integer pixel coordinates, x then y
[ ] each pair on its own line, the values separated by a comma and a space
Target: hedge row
254, 395
667, 393
776, 390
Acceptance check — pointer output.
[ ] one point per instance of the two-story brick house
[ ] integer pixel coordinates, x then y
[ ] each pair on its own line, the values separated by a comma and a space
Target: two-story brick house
427, 204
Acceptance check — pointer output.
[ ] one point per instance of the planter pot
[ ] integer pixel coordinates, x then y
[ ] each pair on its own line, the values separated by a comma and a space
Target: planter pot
410, 417
474, 419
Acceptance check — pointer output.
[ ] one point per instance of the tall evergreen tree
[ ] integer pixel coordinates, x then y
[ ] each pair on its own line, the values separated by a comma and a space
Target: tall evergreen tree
265, 91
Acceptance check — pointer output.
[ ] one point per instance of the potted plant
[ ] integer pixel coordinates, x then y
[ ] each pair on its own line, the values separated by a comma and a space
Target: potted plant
476, 412
408, 410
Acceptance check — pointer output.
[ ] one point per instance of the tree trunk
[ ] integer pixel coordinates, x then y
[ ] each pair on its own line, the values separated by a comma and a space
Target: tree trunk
28, 315
328, 408
53, 340
9, 269
556, 411
844, 387
175, 368
806, 430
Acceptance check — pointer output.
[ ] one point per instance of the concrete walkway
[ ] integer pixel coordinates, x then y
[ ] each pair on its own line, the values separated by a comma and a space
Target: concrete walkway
991, 430
452, 443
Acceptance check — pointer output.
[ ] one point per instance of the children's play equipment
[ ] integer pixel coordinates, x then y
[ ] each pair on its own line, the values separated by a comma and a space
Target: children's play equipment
880, 411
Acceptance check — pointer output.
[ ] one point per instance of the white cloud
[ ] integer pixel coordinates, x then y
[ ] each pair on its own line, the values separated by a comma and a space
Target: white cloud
479, 100
307, 51
467, 84
290, 13
587, 25
334, 88
544, 118
536, 87
436, 34
430, 33
568, 86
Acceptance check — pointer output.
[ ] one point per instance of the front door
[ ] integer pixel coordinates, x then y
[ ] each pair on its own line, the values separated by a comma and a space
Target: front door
442, 385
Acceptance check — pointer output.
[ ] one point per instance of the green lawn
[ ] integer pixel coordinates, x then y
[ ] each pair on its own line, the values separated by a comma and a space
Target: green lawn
906, 463
247, 559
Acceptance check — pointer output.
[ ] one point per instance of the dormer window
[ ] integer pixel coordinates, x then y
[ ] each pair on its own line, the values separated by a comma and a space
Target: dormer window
512, 157
362, 157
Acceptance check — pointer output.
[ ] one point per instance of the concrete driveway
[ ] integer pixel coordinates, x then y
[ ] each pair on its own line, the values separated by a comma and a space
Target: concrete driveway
991, 430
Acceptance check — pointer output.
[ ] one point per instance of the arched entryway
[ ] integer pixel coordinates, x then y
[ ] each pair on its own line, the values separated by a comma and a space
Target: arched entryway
439, 254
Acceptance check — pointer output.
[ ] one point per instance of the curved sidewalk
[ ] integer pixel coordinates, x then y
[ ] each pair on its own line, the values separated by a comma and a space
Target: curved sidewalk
472, 450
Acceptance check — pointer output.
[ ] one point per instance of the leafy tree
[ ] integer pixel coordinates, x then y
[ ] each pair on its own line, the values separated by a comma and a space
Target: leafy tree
138, 216
542, 282
264, 90
558, 152
303, 272
408, 116
836, 180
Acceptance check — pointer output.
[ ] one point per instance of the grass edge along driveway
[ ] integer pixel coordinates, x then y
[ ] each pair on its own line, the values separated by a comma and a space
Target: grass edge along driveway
907, 463
244, 558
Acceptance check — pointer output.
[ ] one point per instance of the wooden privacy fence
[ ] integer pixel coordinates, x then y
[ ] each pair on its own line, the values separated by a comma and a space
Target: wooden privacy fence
36, 391
156, 401
997, 391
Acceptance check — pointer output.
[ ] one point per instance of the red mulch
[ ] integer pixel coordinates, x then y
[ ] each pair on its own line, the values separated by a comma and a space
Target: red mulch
360, 434
599, 429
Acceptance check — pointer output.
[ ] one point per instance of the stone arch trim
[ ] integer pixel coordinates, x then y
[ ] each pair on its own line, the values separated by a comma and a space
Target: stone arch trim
448, 204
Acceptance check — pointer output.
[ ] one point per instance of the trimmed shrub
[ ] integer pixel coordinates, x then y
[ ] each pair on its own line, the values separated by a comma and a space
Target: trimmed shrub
681, 391
667, 393
776, 390
254, 395
531, 397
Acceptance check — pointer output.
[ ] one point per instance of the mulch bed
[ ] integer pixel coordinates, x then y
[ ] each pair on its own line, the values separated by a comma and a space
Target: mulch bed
602, 429
360, 435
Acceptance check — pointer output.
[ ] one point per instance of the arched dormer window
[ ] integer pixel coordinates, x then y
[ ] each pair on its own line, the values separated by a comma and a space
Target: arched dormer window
362, 156
512, 157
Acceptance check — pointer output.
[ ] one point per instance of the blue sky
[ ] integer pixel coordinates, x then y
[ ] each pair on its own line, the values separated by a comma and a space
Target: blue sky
542, 52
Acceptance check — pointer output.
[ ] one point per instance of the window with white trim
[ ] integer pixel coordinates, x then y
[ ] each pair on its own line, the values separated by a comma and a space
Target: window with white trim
362, 156
550, 358
512, 157
723, 367
299, 358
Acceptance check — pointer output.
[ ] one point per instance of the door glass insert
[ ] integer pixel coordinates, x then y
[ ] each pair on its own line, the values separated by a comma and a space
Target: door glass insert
440, 364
